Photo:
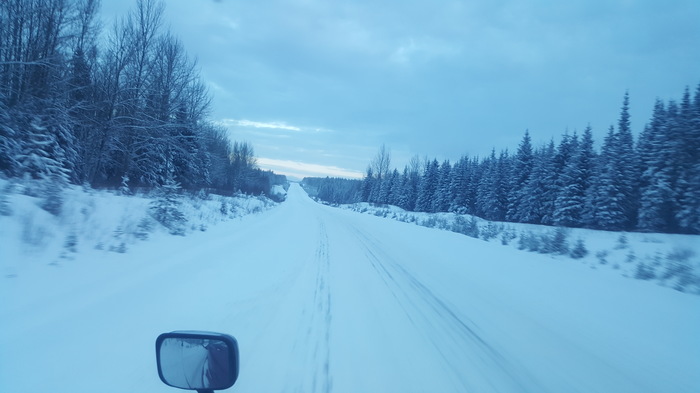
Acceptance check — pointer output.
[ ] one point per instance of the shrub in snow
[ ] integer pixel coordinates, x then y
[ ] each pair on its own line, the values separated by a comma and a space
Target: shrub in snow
644, 272
5, 209
622, 242
203, 195
466, 227
528, 241
631, 257
491, 231
53, 197
120, 245
544, 243
124, 188
682, 272
507, 235
429, 222
119, 248
143, 229
118, 233
555, 242
71, 242
602, 257
680, 255
234, 208
579, 251
165, 210
531, 241
522, 241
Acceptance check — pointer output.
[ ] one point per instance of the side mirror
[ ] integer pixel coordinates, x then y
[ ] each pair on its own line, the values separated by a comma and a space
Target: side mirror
201, 361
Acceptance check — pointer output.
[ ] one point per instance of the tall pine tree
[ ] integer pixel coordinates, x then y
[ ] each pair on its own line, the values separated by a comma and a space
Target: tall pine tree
522, 167
574, 182
428, 187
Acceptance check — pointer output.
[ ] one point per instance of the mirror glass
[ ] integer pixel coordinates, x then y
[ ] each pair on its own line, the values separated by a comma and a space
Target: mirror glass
196, 363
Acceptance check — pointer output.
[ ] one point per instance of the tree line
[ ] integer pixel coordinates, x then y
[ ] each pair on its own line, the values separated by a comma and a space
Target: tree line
651, 184
124, 107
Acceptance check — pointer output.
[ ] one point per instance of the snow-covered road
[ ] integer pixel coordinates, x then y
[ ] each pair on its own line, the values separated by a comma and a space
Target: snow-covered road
322, 299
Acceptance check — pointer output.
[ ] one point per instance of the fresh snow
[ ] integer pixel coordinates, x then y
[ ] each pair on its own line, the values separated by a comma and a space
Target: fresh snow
617, 252
324, 299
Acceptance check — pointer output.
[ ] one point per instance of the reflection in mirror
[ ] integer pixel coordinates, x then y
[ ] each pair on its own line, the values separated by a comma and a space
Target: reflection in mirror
196, 363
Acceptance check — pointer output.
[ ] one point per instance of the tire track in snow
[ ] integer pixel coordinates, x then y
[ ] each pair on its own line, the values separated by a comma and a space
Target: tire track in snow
475, 364
322, 299
314, 347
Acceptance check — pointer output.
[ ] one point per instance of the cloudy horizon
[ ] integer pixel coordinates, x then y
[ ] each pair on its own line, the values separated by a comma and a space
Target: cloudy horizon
316, 87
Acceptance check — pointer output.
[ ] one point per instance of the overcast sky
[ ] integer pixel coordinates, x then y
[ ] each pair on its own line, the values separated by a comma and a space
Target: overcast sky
317, 86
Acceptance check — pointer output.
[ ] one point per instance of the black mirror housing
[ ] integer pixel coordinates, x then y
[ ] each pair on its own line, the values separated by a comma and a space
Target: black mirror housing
201, 361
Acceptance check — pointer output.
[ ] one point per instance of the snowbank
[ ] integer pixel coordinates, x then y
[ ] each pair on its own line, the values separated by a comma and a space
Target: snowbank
98, 220
671, 260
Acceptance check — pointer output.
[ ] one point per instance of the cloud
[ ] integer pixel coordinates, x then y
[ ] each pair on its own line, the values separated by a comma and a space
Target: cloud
423, 49
404, 52
300, 170
230, 23
274, 125
437, 78
258, 124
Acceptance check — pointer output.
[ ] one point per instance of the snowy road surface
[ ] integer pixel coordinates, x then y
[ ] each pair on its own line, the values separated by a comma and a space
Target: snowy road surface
326, 300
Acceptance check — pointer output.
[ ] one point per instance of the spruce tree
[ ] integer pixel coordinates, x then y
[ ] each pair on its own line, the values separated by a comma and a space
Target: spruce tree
688, 188
458, 185
428, 187
521, 173
575, 181
486, 191
500, 184
656, 205
443, 193
165, 209
40, 155
388, 189
626, 164
492, 189
367, 185
555, 181
535, 201
9, 146
409, 185
401, 191
473, 185
608, 198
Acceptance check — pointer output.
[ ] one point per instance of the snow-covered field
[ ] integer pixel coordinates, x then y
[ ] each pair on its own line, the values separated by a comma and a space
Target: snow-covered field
670, 260
324, 299
95, 221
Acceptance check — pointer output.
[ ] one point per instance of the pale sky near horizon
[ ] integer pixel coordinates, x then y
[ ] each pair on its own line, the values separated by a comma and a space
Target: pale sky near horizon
317, 86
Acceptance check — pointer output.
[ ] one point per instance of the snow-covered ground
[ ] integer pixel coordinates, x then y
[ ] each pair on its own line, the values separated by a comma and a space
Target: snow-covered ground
670, 260
324, 299
92, 221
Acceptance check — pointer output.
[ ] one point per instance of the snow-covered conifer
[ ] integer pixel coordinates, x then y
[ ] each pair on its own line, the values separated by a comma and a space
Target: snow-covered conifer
522, 166
428, 186
165, 210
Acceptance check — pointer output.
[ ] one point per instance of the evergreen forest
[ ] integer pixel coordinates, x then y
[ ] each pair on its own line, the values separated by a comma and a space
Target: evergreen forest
648, 184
